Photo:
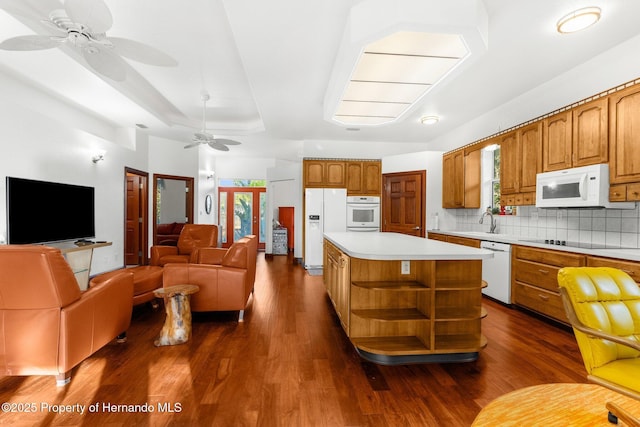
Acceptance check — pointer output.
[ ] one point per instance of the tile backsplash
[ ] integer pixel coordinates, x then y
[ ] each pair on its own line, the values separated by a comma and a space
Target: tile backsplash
611, 227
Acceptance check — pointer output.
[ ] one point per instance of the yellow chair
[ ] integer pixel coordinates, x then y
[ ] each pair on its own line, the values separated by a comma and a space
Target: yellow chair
603, 306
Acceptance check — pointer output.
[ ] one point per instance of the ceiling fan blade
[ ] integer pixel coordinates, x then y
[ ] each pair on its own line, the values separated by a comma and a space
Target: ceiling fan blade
31, 42
227, 141
92, 13
195, 144
107, 63
219, 147
141, 52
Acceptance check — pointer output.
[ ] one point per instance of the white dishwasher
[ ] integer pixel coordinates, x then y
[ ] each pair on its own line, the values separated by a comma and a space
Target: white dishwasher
496, 271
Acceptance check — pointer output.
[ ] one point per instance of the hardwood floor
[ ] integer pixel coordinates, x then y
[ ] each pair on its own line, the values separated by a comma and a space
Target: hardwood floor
289, 364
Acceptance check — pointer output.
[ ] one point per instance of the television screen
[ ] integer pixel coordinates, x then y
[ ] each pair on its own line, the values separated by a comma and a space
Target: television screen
40, 211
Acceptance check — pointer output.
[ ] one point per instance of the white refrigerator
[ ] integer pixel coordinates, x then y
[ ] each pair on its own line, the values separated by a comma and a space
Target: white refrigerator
325, 211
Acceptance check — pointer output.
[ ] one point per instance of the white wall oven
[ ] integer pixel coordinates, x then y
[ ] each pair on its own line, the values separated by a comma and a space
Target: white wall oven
363, 213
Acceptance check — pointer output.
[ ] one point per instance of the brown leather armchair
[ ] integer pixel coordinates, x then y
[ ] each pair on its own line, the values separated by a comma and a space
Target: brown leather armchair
192, 238
224, 286
47, 325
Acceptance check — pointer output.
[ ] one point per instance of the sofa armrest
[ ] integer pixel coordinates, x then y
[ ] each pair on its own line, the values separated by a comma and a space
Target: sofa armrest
158, 252
101, 313
209, 255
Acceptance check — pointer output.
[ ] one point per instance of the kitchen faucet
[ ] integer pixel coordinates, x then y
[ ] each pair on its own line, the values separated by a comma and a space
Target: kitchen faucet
492, 229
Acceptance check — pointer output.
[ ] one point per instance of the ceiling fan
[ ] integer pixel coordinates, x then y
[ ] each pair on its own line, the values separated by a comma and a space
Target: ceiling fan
83, 24
204, 137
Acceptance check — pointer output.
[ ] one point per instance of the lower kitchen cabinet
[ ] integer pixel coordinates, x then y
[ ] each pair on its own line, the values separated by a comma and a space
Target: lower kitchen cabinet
534, 279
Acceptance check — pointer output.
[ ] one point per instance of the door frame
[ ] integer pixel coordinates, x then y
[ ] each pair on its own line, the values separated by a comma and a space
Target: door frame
143, 241
386, 196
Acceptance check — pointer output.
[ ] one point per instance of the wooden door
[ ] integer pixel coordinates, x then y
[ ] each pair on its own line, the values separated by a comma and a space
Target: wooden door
509, 164
403, 202
136, 218
557, 142
624, 166
591, 133
530, 156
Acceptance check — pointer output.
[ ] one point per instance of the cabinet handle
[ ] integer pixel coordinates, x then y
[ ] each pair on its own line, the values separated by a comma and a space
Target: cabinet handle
543, 297
543, 271
343, 262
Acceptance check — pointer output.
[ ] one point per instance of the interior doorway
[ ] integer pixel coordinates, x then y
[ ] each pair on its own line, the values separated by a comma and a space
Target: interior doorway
403, 202
136, 217
242, 212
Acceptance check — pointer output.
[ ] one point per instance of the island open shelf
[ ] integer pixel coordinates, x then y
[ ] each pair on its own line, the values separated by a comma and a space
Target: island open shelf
423, 306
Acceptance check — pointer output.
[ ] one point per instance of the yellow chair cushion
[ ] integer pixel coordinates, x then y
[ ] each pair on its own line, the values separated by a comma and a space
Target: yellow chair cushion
606, 299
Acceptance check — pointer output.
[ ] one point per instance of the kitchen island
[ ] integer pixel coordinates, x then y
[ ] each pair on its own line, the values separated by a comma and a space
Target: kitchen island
404, 299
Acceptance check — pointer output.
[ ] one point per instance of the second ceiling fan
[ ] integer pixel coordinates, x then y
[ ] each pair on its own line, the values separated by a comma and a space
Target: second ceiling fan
204, 137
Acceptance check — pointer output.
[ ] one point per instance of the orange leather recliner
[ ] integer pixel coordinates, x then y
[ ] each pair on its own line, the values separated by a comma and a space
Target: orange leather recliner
47, 325
192, 238
225, 279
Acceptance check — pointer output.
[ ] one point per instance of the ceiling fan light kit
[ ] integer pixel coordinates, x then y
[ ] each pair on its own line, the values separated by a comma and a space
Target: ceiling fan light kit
82, 24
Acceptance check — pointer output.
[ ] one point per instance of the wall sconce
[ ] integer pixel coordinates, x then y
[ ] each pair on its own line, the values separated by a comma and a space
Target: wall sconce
98, 156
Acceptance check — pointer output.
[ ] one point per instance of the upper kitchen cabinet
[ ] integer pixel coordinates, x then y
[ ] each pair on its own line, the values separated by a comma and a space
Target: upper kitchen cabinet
590, 133
461, 179
576, 137
364, 177
472, 179
557, 141
324, 173
624, 139
509, 164
520, 162
453, 180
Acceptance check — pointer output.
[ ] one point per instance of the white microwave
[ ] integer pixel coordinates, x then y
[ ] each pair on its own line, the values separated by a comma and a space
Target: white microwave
582, 187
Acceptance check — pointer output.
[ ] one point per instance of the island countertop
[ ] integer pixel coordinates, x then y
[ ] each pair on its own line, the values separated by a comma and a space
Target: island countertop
395, 246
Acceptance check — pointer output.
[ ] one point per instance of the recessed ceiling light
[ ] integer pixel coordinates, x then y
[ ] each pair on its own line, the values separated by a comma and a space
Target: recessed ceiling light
578, 20
429, 120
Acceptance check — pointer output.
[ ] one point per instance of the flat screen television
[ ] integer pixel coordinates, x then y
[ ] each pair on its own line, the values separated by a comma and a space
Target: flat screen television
43, 212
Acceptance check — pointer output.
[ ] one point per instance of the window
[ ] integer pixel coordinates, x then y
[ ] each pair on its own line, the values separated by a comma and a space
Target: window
491, 178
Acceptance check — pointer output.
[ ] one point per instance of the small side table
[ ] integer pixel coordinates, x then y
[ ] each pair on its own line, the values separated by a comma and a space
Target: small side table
177, 325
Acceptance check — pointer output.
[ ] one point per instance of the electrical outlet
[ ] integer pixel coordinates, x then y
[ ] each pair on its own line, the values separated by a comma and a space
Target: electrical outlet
405, 267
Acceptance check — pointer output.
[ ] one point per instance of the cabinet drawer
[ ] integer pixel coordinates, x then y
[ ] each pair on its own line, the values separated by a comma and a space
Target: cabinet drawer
618, 193
629, 267
539, 300
463, 241
633, 192
541, 275
544, 256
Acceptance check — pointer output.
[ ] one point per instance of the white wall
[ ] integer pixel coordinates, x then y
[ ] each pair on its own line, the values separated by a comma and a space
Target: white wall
56, 143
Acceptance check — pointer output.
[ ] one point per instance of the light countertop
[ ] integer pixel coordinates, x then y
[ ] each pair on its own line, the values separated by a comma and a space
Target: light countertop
395, 246
632, 254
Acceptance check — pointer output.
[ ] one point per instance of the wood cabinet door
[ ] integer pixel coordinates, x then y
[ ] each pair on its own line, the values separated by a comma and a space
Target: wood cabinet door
530, 156
372, 178
354, 178
591, 133
472, 179
403, 203
557, 141
335, 174
313, 173
625, 135
453, 180
509, 164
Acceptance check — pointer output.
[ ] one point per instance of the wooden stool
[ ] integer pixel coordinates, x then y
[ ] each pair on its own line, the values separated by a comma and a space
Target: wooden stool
177, 325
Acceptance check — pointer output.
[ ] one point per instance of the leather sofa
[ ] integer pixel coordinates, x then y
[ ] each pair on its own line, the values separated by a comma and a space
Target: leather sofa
225, 276
192, 237
47, 325
168, 234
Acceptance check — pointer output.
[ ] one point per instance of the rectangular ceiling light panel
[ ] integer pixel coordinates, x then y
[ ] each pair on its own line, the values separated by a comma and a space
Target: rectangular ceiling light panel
399, 69
384, 91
